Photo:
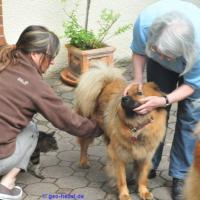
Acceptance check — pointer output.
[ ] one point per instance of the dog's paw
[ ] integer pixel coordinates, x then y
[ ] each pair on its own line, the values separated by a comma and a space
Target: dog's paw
146, 195
84, 165
125, 197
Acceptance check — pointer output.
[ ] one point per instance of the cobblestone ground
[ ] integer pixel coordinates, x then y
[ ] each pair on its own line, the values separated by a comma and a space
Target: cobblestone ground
62, 173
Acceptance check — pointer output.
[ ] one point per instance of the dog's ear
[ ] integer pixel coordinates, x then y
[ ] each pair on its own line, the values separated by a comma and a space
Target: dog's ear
153, 86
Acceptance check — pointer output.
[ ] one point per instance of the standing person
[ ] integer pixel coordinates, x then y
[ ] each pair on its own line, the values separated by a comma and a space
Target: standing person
23, 94
166, 38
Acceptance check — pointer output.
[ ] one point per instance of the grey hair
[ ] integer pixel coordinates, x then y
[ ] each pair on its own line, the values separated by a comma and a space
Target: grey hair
173, 35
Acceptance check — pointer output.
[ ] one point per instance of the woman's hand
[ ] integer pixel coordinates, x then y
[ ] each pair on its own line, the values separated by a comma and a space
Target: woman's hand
150, 103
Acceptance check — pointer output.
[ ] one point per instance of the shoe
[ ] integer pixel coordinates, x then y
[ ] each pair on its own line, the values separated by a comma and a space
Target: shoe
7, 194
177, 189
152, 174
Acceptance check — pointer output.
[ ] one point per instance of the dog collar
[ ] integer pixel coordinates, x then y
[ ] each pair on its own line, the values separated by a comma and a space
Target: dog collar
135, 129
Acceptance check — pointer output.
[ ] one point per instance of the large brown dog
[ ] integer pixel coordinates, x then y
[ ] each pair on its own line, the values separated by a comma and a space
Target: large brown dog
129, 136
191, 190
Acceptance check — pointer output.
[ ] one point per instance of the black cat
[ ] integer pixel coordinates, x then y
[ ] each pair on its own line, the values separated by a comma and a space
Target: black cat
46, 143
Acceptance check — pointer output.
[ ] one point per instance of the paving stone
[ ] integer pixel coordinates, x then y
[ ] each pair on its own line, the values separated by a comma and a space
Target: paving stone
68, 95
51, 127
64, 134
169, 136
97, 151
41, 188
80, 174
50, 153
162, 193
164, 175
111, 197
64, 191
94, 165
65, 163
103, 160
27, 178
90, 193
135, 196
94, 158
72, 182
74, 141
57, 136
108, 189
171, 125
156, 182
48, 180
69, 155
29, 197
164, 164
166, 150
57, 171
95, 184
40, 117
42, 128
49, 160
98, 176
64, 145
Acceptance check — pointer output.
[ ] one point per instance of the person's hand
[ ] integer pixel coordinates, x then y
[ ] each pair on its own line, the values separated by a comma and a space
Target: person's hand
97, 131
130, 85
150, 103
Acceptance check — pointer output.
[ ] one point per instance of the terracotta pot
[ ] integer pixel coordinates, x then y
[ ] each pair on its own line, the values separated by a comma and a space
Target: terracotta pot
79, 61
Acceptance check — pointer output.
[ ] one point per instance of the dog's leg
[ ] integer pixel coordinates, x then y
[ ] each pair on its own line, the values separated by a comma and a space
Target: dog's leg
84, 144
121, 181
144, 168
120, 175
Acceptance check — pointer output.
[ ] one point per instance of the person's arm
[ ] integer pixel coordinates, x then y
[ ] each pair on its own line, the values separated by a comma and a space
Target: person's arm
138, 62
180, 93
138, 46
61, 116
152, 102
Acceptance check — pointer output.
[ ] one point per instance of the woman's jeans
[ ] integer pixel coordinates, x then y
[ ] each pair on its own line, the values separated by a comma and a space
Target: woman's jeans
188, 114
25, 145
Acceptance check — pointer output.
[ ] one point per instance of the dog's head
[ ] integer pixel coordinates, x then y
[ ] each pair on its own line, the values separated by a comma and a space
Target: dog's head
134, 95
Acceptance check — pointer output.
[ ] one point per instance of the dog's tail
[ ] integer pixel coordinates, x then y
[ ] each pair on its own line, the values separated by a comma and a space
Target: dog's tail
91, 84
196, 162
193, 177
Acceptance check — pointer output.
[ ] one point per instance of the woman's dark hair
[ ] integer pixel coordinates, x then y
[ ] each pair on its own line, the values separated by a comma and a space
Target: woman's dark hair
34, 38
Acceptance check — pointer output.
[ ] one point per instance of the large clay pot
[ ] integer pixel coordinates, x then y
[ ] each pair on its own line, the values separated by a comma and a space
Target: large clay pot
79, 61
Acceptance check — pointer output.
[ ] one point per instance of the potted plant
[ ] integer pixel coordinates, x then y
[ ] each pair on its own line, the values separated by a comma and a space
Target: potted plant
85, 46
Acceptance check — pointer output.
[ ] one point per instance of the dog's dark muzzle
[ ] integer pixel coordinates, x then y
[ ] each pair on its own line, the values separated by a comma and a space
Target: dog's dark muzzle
128, 104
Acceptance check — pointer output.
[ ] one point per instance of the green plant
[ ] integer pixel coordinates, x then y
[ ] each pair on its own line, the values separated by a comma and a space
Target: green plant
83, 38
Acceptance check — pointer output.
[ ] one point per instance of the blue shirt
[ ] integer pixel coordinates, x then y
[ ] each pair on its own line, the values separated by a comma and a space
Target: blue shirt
143, 23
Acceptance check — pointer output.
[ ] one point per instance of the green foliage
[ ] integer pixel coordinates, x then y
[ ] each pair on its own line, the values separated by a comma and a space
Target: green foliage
79, 36
82, 38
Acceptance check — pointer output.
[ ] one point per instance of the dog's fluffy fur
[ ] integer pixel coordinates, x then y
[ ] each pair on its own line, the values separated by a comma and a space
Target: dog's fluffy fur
192, 183
99, 95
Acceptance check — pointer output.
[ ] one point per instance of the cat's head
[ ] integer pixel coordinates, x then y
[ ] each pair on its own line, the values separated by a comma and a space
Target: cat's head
47, 142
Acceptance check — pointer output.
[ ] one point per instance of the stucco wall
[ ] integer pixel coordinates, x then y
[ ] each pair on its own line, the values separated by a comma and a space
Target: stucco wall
20, 13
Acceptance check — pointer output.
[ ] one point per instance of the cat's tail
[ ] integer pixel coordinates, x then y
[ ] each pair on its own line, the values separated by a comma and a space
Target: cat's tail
91, 84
